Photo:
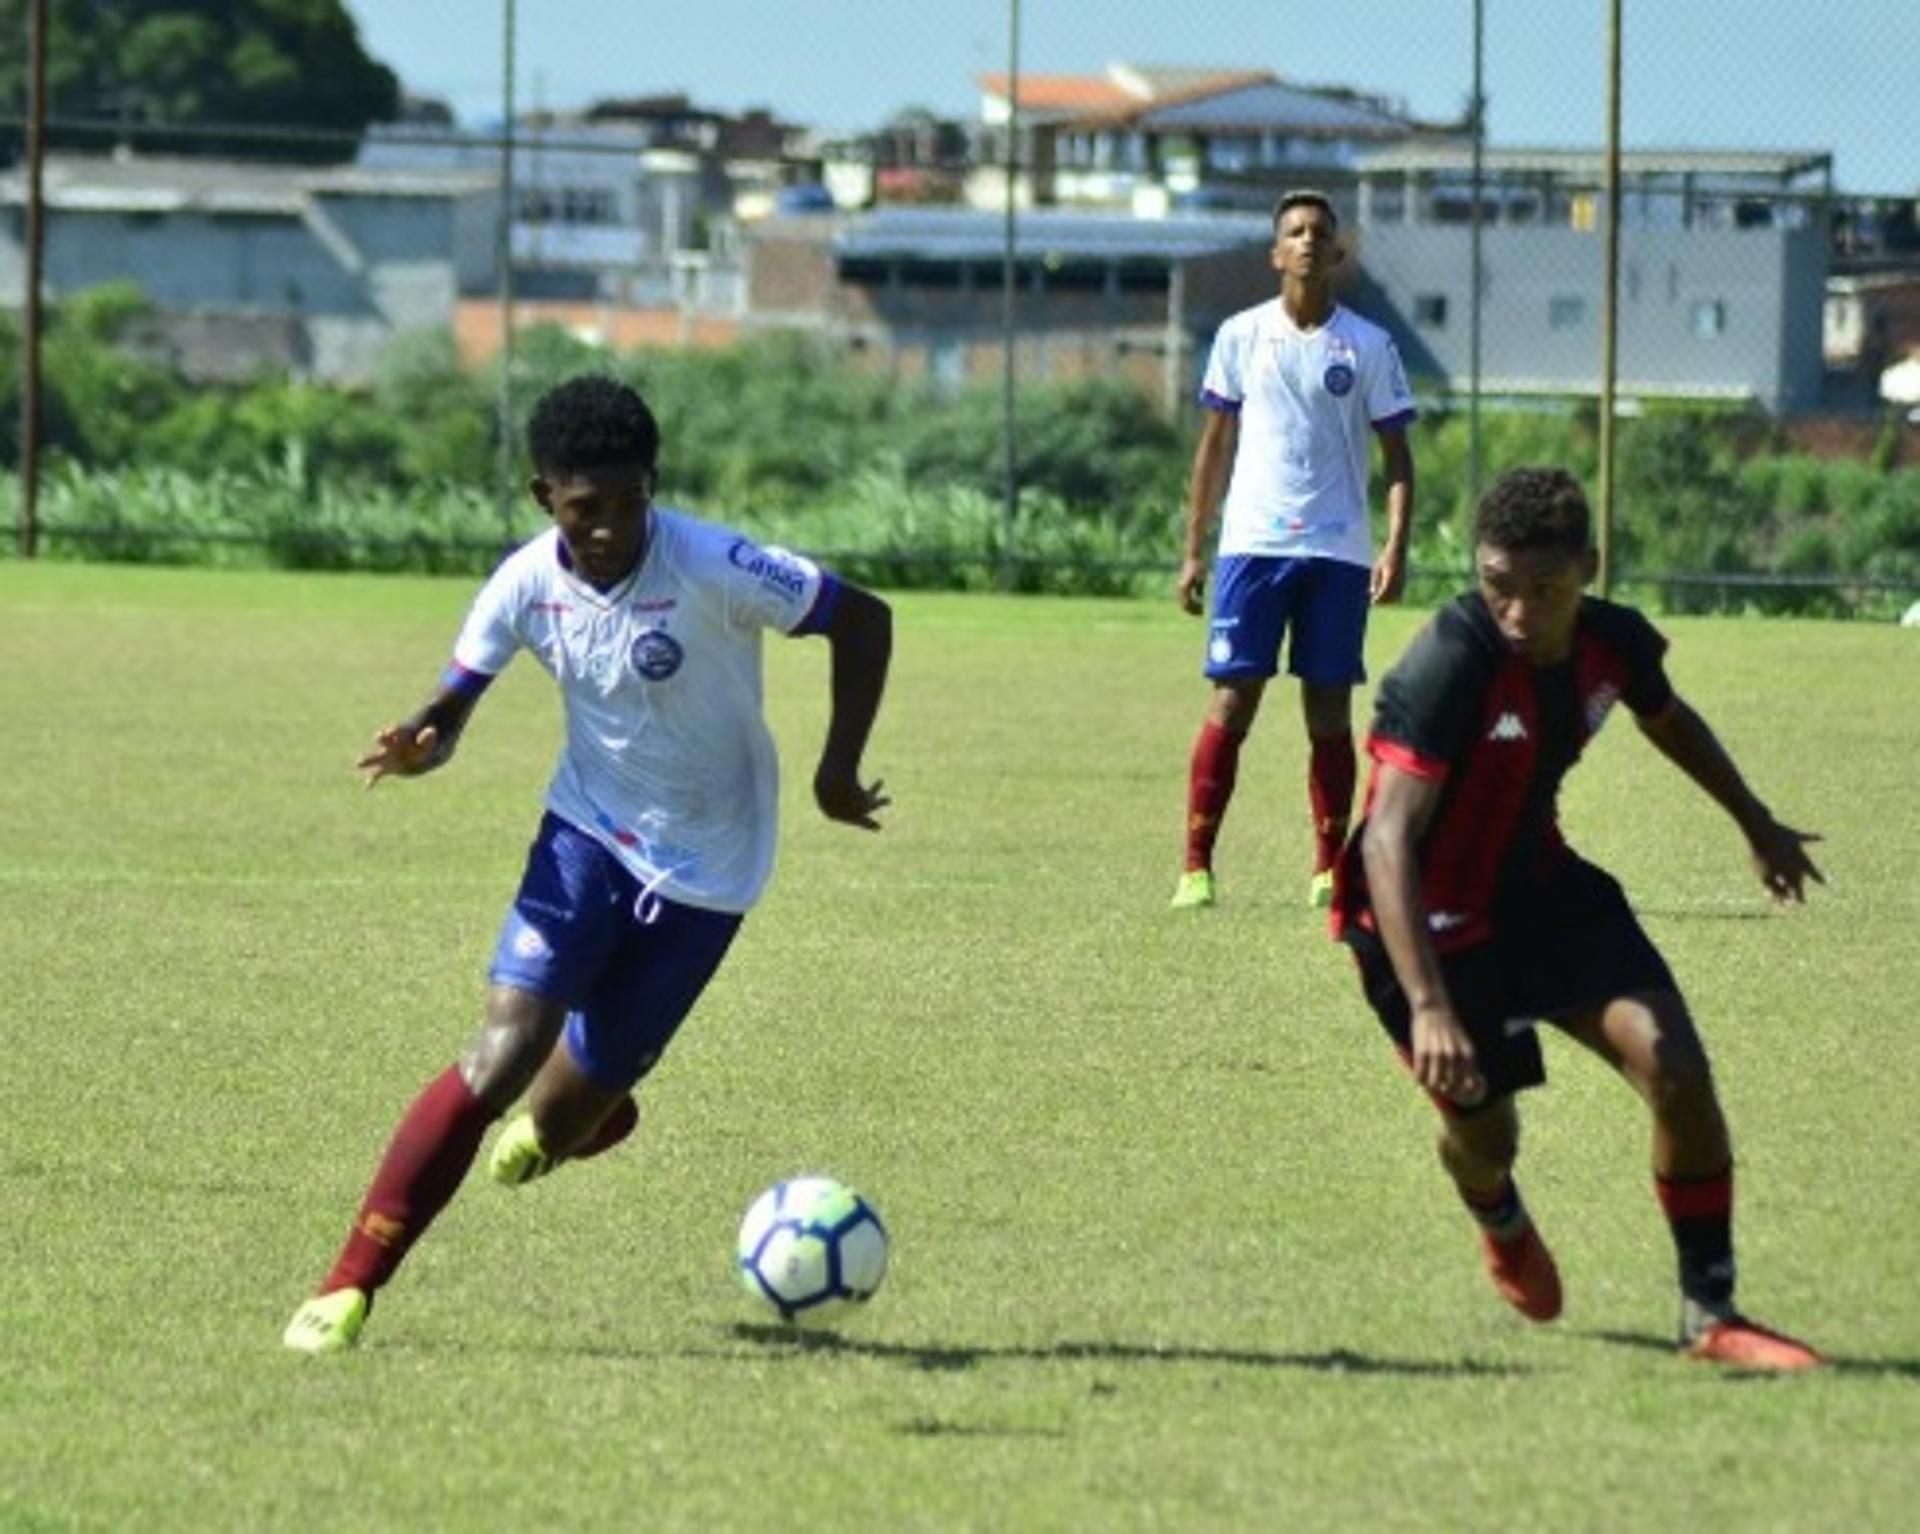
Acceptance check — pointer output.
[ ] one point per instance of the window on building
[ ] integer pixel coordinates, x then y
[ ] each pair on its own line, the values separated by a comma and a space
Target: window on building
1137, 276
1566, 311
930, 274
1430, 311
1708, 318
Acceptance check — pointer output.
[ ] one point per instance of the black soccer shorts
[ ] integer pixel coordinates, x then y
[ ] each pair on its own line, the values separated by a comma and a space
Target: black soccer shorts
1572, 942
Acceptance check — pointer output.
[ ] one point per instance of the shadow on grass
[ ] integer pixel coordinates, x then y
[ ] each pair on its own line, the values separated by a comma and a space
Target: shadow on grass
1706, 913
1863, 1368
946, 1357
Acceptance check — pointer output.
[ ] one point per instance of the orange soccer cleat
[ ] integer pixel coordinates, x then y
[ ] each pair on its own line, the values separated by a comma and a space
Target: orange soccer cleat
1743, 1344
1522, 1270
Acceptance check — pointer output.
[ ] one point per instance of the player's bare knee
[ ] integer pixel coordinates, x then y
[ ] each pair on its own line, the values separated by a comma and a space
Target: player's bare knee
1327, 710
1674, 1073
1680, 1086
514, 1041
1477, 1150
1233, 706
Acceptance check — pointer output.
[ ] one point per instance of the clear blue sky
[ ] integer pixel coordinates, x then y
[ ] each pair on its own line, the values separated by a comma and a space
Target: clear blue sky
1755, 74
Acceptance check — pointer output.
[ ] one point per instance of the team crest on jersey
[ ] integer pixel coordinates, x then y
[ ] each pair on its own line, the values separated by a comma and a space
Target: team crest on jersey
1338, 379
1599, 703
657, 654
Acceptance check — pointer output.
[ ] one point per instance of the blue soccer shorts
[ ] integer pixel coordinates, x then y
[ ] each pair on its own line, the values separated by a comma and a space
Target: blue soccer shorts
1259, 598
628, 964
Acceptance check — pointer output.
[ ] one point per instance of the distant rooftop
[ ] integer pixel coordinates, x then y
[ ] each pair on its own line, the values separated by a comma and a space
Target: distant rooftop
169, 184
1121, 92
961, 234
1271, 104
1590, 164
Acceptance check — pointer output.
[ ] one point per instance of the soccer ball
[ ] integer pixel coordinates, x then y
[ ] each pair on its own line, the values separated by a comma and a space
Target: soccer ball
811, 1248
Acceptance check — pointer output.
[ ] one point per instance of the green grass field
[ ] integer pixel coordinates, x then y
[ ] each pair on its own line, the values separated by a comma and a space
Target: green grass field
1170, 1248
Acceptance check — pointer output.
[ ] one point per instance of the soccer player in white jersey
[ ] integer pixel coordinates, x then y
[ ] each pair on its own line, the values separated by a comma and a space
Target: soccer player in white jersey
659, 825
1295, 389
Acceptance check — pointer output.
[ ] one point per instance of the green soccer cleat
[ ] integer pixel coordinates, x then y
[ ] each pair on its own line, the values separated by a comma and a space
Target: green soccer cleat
327, 1323
1194, 891
1320, 890
517, 1155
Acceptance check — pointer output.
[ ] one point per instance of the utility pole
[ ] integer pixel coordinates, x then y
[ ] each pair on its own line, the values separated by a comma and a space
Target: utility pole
1474, 460
36, 237
509, 492
1610, 330
1009, 275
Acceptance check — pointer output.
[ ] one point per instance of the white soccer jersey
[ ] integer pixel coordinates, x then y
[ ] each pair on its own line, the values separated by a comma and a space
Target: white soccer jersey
1308, 402
668, 761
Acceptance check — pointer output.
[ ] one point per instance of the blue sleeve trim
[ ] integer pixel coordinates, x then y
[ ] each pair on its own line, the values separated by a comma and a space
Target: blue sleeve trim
1396, 421
1219, 402
469, 684
821, 613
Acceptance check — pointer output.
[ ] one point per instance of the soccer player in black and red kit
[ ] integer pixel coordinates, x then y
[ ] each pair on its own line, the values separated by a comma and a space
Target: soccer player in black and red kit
1472, 919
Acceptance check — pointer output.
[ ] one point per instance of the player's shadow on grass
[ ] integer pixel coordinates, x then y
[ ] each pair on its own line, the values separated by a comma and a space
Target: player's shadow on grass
1865, 1368
1706, 913
945, 1357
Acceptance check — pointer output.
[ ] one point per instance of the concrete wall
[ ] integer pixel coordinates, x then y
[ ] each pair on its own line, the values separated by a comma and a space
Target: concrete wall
1541, 312
351, 269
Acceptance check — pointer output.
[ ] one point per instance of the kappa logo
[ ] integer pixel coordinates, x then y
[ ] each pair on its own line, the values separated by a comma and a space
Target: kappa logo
1445, 921
529, 944
1220, 650
1507, 727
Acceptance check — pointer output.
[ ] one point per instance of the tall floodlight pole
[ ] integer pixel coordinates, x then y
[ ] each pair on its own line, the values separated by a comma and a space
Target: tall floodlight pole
1474, 254
1610, 327
508, 491
29, 529
1009, 272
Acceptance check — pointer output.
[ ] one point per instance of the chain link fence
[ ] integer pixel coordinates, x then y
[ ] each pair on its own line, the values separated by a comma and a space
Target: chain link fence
937, 305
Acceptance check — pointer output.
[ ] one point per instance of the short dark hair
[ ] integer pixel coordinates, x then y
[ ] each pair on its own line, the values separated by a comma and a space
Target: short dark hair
1305, 197
592, 422
1533, 508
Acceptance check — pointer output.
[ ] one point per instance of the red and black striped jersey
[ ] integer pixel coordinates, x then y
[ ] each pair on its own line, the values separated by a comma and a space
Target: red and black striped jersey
1462, 709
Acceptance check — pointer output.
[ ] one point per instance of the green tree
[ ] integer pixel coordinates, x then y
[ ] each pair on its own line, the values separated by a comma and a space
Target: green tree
148, 66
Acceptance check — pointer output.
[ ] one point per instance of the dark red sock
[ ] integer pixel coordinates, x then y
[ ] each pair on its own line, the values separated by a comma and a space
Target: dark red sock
430, 1153
1216, 761
1330, 774
615, 1127
1700, 1212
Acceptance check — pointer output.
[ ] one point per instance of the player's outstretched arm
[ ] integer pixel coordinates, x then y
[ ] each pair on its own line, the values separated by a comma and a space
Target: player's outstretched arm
1443, 1056
421, 743
1779, 852
861, 634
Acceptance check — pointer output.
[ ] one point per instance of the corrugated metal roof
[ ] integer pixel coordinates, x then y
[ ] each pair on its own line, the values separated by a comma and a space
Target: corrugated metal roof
179, 184
954, 234
1783, 164
1275, 107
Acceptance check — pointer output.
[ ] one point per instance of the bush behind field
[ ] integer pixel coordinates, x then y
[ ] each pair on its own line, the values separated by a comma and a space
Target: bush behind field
900, 486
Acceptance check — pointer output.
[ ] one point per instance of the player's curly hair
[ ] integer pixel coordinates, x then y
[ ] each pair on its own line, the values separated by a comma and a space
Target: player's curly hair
592, 422
1533, 508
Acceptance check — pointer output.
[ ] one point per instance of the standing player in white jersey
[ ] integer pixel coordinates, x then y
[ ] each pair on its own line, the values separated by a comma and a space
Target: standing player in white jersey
659, 826
1294, 389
